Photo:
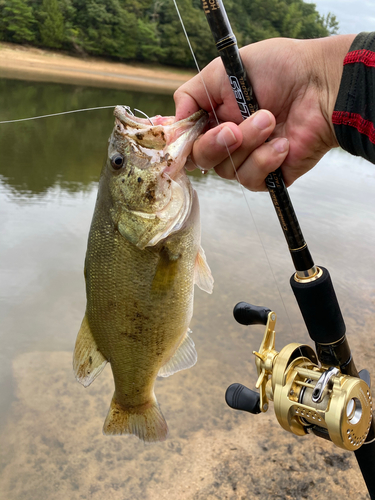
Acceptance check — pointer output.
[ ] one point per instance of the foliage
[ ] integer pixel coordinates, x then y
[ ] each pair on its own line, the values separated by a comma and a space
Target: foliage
17, 22
150, 30
52, 26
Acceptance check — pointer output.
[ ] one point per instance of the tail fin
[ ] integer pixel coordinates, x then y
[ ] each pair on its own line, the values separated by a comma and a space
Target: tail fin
147, 423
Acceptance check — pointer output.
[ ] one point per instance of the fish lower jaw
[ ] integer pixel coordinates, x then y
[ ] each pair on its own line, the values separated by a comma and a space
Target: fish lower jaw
171, 171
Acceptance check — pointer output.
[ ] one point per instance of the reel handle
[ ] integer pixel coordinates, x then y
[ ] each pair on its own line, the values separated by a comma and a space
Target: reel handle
238, 396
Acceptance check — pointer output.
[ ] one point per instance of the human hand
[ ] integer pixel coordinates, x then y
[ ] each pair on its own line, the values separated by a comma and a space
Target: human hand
297, 82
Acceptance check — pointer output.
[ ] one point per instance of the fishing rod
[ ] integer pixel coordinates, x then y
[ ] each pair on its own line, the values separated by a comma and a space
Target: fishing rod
320, 393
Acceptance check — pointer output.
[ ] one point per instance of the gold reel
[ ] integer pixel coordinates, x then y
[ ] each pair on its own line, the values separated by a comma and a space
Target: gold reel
312, 398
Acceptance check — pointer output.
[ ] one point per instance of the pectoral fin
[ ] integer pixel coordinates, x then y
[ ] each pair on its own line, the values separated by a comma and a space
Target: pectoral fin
88, 361
166, 271
202, 273
185, 357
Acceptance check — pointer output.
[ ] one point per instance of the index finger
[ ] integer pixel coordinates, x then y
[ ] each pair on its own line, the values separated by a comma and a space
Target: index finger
185, 103
209, 89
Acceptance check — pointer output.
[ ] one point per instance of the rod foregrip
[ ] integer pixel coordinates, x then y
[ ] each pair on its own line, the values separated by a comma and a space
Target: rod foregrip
320, 308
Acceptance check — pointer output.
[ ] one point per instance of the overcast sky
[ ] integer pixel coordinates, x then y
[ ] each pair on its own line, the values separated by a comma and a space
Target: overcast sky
353, 16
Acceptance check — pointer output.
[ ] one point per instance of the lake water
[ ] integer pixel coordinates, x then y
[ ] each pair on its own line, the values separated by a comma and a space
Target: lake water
51, 443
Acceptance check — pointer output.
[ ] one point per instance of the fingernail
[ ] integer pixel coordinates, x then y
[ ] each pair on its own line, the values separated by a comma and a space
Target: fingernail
226, 137
281, 145
262, 120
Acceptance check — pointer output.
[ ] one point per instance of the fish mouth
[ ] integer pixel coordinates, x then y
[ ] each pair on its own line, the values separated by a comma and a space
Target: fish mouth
161, 138
162, 145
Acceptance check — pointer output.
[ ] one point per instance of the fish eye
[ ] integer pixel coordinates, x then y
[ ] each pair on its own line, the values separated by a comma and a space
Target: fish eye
117, 161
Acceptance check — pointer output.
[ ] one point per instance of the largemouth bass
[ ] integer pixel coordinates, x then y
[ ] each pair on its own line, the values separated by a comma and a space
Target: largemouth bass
143, 258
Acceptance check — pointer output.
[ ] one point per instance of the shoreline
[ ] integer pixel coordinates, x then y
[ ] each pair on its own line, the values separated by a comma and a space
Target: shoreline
33, 64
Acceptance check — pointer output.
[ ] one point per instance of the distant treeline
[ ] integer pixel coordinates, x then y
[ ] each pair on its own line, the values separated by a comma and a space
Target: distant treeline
149, 30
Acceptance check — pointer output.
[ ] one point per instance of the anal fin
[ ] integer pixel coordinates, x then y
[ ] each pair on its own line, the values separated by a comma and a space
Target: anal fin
88, 361
184, 357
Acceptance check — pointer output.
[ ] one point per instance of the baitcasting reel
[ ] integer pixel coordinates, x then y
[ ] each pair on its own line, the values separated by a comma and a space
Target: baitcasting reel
308, 397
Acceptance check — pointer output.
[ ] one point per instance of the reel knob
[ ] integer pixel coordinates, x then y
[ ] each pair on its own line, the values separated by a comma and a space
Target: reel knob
247, 314
240, 397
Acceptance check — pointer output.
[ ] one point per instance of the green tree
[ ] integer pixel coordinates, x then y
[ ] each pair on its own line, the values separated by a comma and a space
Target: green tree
150, 30
173, 41
52, 26
148, 42
17, 21
330, 23
104, 27
303, 21
256, 20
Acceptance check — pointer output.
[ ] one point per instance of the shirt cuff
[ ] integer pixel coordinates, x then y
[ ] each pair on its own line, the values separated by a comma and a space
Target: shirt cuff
354, 113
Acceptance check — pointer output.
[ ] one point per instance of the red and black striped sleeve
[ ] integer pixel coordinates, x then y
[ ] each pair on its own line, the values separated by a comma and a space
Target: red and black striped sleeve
354, 114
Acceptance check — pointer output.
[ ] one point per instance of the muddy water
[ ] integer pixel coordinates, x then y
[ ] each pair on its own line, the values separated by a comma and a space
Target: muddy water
51, 445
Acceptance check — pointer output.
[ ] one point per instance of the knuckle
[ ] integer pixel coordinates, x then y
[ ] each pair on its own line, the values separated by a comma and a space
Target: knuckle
225, 171
262, 160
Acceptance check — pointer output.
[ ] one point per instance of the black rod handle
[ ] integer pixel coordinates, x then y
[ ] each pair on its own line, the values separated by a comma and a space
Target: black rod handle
365, 456
226, 44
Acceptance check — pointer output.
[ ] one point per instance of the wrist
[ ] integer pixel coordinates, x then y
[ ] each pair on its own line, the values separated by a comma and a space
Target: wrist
334, 50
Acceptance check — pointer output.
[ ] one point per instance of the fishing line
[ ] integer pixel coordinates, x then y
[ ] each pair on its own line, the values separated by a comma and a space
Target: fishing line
232, 163
218, 123
55, 114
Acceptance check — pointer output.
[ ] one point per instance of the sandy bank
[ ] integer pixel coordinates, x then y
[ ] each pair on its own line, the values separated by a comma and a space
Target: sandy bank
53, 447
28, 63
